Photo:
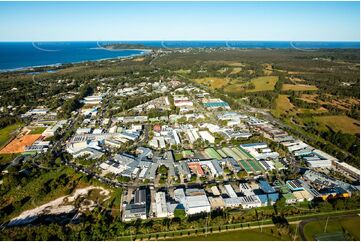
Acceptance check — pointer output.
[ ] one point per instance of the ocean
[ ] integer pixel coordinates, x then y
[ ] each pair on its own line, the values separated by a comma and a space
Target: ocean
20, 55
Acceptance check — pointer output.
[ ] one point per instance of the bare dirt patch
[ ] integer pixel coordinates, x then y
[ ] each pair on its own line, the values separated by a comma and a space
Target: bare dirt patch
18, 144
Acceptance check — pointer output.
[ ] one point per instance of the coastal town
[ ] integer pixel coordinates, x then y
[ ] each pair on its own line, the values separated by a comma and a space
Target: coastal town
181, 153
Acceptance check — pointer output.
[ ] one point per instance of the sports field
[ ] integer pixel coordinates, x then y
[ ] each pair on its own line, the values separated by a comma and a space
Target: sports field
264, 83
298, 87
6, 133
336, 228
17, 145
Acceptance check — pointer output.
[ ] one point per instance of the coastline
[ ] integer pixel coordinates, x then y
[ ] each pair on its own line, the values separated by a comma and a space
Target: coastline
30, 68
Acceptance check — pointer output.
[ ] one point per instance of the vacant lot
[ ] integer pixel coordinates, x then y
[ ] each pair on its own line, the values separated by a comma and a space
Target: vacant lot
340, 123
298, 87
17, 145
351, 225
264, 83
283, 105
7, 132
213, 82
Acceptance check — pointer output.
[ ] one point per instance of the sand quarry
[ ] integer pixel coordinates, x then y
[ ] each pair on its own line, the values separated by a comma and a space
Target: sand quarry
61, 205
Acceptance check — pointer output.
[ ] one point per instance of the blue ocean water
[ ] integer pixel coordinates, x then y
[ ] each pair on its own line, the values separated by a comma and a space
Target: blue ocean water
18, 55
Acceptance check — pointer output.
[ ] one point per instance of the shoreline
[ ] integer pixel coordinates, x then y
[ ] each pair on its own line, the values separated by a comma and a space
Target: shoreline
30, 68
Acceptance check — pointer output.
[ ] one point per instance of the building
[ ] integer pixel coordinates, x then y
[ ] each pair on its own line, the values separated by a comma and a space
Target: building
206, 136
161, 210
137, 209
230, 191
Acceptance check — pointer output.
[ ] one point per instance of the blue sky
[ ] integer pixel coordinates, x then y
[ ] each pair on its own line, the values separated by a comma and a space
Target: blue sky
51, 21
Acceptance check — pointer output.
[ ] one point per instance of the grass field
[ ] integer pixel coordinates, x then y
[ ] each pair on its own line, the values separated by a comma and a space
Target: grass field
234, 88
37, 130
341, 123
264, 83
5, 133
298, 87
283, 105
213, 82
351, 225
242, 235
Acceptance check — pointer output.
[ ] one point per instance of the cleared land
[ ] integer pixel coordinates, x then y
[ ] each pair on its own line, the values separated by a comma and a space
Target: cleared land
341, 123
213, 82
17, 145
298, 87
6, 133
283, 105
264, 83
234, 88
334, 226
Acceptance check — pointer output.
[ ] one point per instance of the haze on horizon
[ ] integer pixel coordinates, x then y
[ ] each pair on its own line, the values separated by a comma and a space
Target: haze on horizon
264, 21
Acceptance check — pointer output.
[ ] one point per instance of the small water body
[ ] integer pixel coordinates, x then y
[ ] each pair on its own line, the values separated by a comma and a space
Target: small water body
20, 55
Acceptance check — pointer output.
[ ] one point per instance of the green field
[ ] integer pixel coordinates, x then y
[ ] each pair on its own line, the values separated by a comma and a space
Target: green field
334, 226
243, 235
341, 123
264, 83
37, 130
6, 133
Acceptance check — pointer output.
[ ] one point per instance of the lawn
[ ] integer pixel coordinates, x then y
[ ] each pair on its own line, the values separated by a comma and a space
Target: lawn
37, 130
351, 225
242, 235
298, 87
6, 133
264, 83
213, 82
283, 105
340, 123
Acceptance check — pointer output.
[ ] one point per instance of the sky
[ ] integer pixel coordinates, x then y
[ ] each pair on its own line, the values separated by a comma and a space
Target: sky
267, 21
